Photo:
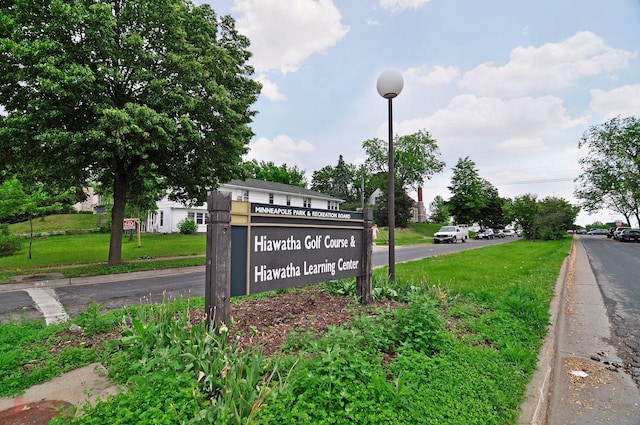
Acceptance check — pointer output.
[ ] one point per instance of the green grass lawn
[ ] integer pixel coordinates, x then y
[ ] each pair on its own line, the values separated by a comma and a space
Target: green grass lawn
51, 251
459, 348
59, 223
85, 254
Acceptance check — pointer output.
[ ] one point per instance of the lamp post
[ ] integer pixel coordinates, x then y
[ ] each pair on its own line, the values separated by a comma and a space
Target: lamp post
390, 85
534, 196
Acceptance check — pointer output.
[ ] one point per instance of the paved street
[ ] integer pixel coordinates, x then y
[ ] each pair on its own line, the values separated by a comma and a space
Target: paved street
54, 299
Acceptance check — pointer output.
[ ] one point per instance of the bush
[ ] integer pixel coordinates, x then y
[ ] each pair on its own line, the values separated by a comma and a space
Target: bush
188, 227
9, 245
104, 225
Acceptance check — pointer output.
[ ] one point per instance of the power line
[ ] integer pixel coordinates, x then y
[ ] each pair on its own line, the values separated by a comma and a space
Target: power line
566, 179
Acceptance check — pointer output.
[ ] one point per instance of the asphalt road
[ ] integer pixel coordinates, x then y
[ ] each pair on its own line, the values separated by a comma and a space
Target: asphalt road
615, 266
123, 290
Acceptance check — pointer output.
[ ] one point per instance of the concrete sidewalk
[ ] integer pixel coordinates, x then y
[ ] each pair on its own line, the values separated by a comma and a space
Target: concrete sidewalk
580, 379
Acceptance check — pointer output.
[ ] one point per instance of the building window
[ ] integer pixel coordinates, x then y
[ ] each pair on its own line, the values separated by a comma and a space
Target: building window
242, 195
198, 217
288, 200
306, 202
161, 218
271, 198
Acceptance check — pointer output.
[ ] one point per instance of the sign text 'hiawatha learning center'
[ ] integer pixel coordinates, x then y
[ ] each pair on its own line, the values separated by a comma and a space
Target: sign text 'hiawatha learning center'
255, 248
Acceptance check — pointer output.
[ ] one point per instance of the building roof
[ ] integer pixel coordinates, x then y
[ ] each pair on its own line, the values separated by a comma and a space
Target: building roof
278, 187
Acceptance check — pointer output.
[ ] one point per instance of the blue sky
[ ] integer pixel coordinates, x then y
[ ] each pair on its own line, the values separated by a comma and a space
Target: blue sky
512, 85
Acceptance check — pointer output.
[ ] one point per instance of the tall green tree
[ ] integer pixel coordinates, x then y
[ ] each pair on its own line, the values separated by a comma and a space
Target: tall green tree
124, 93
468, 199
547, 219
30, 201
403, 208
344, 181
416, 158
610, 175
322, 179
492, 214
555, 216
525, 214
268, 171
439, 210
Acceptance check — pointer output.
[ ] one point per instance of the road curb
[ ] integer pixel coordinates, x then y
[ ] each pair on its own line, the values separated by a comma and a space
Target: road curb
58, 283
534, 410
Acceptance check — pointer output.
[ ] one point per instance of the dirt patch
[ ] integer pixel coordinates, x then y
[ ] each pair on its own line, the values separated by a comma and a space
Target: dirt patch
265, 322
37, 413
583, 373
36, 277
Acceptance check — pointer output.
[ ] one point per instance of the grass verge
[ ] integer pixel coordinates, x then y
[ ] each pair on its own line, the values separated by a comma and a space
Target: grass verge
80, 255
459, 350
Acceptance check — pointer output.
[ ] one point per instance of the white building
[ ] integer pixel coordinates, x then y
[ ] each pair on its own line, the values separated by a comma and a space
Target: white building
170, 213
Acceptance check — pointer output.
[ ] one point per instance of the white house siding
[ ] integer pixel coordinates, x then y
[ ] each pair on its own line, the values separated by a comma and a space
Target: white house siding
172, 213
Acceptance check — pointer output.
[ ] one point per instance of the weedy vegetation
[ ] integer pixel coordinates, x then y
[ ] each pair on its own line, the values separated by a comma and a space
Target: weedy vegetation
459, 349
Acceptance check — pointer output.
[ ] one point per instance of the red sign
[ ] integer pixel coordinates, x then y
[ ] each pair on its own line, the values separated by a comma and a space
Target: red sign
129, 224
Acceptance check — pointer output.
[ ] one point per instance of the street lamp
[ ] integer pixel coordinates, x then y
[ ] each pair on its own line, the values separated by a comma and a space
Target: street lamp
534, 196
389, 86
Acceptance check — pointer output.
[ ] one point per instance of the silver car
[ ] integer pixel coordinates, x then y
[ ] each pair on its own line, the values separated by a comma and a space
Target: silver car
485, 234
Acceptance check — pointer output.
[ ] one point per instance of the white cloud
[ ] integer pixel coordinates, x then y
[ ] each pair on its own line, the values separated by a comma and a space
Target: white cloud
270, 89
469, 118
522, 145
434, 76
623, 101
282, 149
285, 33
399, 5
552, 66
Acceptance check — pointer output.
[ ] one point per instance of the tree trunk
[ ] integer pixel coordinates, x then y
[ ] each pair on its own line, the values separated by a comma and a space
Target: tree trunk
30, 235
117, 216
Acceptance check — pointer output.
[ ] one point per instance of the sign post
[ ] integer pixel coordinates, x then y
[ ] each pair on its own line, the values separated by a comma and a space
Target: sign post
268, 247
218, 255
132, 224
363, 282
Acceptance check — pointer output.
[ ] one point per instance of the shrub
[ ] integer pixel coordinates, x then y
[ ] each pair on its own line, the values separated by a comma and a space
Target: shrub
104, 225
187, 227
9, 245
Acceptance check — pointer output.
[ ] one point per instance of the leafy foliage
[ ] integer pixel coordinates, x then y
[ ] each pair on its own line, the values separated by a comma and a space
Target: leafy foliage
9, 245
416, 157
439, 210
555, 216
343, 181
187, 227
30, 201
548, 219
611, 170
402, 203
140, 97
467, 187
268, 171
457, 352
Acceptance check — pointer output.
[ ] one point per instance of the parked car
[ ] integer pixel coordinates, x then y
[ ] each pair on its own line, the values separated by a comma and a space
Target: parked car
485, 234
498, 233
583, 231
617, 232
451, 234
597, 232
509, 232
629, 235
610, 232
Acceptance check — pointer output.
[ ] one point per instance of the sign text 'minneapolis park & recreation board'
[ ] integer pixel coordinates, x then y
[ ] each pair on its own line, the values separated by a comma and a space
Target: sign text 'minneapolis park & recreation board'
269, 247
